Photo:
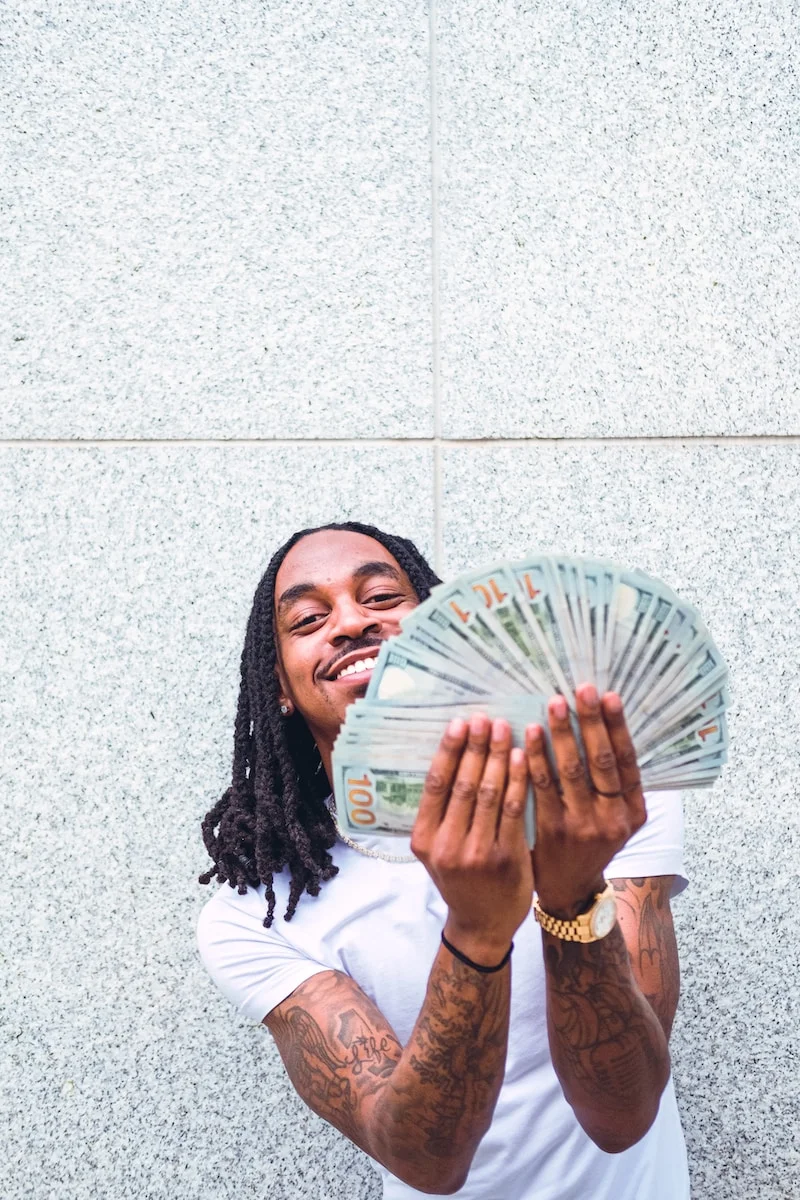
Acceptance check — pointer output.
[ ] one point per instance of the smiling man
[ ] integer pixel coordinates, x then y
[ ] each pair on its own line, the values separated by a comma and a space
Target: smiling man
468, 1033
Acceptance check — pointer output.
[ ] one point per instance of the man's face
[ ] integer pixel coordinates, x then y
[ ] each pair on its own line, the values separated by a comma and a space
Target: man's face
338, 595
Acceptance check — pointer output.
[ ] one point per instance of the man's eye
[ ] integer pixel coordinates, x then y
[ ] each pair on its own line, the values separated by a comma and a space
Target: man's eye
385, 596
307, 620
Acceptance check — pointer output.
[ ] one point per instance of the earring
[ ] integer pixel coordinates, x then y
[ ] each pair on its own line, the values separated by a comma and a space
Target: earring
284, 709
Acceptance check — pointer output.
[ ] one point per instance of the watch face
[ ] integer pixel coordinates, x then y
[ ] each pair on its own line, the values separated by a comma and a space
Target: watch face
604, 917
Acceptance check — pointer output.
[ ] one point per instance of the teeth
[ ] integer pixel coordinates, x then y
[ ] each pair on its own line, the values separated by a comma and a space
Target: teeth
363, 664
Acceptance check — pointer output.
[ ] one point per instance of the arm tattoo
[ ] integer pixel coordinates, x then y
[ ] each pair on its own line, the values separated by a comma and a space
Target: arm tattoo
646, 922
426, 1106
606, 1045
456, 1057
336, 1067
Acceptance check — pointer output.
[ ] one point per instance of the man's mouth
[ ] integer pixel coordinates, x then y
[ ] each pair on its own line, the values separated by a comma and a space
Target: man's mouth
356, 669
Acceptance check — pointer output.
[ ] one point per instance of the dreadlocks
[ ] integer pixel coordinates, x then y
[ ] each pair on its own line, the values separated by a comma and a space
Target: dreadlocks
274, 813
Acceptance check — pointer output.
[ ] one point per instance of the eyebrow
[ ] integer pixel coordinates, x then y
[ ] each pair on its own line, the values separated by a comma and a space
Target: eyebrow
379, 567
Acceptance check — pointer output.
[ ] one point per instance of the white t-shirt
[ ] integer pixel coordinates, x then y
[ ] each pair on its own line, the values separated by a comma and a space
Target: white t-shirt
381, 923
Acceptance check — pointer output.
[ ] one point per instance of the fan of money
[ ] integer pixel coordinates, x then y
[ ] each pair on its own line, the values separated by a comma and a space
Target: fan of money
503, 641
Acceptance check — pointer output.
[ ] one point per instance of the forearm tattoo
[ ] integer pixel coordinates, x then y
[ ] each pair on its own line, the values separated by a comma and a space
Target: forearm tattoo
455, 1059
646, 921
432, 1100
337, 1064
607, 1047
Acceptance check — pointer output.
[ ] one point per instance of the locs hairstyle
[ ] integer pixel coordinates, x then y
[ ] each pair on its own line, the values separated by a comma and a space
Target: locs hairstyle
274, 813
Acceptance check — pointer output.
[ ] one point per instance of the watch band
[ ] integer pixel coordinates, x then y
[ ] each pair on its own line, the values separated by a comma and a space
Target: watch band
580, 929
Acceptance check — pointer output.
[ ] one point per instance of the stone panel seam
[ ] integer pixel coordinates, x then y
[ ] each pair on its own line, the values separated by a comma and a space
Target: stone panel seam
442, 443
438, 536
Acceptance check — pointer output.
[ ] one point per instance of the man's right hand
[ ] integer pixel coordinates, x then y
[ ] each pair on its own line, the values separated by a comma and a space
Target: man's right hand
470, 836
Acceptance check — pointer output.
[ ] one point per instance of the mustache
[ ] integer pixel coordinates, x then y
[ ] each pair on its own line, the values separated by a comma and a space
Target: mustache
358, 644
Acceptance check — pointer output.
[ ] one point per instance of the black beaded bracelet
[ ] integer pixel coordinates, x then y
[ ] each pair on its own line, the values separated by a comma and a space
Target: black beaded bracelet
477, 966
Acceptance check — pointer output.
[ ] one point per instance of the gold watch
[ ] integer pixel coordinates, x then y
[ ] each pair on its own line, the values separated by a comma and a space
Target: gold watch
595, 923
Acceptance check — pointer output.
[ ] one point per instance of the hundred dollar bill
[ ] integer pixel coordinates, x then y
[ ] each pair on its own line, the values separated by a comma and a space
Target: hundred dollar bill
439, 630
586, 594
461, 605
671, 646
428, 641
602, 579
709, 736
498, 591
679, 782
403, 675
410, 728
634, 601
376, 800
473, 648
535, 587
700, 680
382, 799
566, 599
701, 715
650, 634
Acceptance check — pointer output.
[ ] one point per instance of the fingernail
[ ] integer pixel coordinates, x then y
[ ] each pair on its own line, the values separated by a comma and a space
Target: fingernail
534, 732
500, 728
517, 757
477, 724
612, 702
589, 695
456, 727
558, 707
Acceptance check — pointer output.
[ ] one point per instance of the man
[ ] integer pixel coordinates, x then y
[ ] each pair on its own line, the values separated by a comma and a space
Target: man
417, 1003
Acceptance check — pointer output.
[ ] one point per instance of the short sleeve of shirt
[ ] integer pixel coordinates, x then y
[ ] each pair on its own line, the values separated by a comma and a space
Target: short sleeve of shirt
657, 848
255, 968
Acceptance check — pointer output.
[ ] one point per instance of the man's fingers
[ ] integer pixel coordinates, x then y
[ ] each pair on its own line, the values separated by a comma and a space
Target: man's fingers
627, 767
601, 760
492, 786
478, 787
512, 813
569, 764
438, 782
546, 791
463, 794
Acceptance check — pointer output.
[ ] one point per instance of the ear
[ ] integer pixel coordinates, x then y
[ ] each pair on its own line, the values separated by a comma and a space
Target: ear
284, 692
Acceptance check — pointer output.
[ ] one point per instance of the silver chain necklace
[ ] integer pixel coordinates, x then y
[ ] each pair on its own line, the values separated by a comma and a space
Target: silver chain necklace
392, 858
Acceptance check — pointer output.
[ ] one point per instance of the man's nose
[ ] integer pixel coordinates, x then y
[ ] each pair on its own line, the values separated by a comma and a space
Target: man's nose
351, 621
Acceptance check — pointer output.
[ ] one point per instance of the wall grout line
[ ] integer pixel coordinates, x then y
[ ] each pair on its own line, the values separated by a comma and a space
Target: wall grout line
438, 533
438, 493
440, 443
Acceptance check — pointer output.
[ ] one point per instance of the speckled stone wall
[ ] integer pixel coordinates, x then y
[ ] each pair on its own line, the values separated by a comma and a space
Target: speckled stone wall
495, 275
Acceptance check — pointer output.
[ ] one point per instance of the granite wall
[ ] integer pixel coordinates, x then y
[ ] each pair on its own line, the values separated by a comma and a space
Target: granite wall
494, 275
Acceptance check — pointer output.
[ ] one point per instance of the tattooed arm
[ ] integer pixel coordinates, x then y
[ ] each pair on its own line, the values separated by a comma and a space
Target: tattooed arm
645, 919
608, 1047
420, 1111
608, 1004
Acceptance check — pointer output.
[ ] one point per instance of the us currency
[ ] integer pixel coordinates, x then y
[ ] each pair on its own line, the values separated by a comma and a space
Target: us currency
535, 587
381, 799
404, 673
479, 652
498, 592
458, 605
502, 641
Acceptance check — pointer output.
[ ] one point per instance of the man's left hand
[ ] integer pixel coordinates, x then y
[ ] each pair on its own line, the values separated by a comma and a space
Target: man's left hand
587, 815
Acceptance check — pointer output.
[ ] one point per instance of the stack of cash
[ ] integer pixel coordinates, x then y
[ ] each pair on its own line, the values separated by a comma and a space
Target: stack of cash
502, 641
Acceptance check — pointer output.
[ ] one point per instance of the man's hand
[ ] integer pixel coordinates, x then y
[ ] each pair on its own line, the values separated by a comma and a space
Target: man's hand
469, 834
586, 817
